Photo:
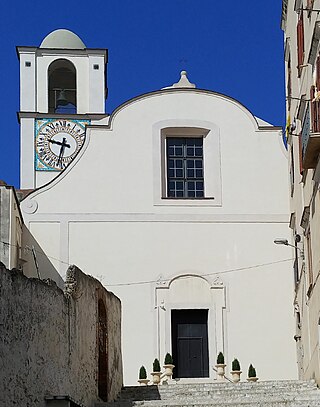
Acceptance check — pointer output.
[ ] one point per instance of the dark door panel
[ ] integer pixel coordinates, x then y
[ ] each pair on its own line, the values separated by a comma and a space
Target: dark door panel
190, 351
190, 343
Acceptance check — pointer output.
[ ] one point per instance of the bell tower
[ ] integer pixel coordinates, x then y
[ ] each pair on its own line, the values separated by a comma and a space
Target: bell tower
62, 90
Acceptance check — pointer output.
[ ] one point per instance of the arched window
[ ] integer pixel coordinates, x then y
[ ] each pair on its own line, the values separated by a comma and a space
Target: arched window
102, 352
62, 89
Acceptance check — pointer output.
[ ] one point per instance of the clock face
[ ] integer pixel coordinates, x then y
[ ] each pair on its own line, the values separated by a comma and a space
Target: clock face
57, 141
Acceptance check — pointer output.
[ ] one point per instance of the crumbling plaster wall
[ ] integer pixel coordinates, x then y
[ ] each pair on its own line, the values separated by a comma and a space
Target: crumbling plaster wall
49, 339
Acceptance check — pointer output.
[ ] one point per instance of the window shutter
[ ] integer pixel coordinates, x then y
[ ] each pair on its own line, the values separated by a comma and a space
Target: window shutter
316, 102
300, 40
318, 74
300, 153
313, 110
289, 84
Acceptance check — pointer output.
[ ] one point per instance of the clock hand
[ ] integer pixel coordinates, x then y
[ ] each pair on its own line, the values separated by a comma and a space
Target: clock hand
59, 142
63, 146
55, 142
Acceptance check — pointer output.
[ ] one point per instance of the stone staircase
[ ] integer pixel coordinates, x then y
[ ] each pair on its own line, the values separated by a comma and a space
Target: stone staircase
244, 394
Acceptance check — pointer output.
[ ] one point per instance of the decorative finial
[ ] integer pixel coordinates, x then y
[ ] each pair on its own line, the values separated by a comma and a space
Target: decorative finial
184, 81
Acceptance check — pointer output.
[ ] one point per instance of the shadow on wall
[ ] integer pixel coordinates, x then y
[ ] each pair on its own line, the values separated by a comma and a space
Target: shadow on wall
50, 339
35, 261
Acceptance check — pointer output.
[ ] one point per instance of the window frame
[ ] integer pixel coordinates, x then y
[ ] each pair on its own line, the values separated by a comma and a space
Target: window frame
210, 134
185, 179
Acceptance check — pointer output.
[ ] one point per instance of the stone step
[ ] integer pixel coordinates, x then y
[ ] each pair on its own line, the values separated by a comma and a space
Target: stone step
243, 394
200, 390
234, 397
283, 403
219, 397
176, 385
208, 402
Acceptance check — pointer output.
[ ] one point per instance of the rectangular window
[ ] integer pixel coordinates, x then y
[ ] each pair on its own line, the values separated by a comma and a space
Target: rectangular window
185, 167
304, 138
315, 103
314, 110
292, 169
309, 6
309, 256
289, 84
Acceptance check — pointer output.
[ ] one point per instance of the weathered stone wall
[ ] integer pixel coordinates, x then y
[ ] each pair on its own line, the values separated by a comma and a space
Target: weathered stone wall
49, 339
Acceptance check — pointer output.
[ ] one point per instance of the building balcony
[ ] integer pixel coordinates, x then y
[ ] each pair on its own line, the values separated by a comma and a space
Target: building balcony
310, 149
310, 143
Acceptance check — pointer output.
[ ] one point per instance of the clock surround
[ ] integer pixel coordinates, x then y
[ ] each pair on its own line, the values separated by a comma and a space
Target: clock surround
57, 142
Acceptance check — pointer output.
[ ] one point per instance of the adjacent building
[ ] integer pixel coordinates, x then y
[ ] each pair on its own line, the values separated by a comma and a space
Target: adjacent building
60, 338
173, 201
58, 348
11, 225
301, 26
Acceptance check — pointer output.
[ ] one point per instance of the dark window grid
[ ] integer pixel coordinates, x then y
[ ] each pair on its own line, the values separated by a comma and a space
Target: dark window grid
178, 189
185, 168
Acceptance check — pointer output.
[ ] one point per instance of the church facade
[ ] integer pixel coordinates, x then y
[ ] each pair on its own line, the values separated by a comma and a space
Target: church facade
173, 201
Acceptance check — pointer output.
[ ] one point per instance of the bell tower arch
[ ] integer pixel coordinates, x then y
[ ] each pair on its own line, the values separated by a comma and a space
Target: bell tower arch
62, 87
62, 90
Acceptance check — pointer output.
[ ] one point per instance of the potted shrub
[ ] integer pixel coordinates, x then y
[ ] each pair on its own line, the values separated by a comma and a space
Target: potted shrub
252, 374
220, 366
236, 371
168, 364
143, 376
156, 373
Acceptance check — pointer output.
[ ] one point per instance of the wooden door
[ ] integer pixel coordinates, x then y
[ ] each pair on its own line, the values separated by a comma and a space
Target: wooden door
190, 343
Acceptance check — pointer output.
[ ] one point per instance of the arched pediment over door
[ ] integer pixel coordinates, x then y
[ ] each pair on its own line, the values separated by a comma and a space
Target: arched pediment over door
191, 322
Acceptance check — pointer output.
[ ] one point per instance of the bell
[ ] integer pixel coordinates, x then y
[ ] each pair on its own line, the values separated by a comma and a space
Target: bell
62, 99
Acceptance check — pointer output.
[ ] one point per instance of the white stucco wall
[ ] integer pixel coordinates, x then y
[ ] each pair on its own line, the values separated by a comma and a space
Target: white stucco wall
111, 212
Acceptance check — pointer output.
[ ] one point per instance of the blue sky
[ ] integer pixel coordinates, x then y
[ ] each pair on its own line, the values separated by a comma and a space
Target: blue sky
234, 47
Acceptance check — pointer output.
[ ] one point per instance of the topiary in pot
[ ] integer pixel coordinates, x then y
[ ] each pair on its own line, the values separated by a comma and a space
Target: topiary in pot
142, 373
220, 367
168, 365
156, 366
168, 359
143, 376
236, 372
235, 365
252, 374
220, 359
156, 372
252, 371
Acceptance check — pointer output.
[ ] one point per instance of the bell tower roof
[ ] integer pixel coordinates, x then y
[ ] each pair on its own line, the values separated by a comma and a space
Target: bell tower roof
63, 39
